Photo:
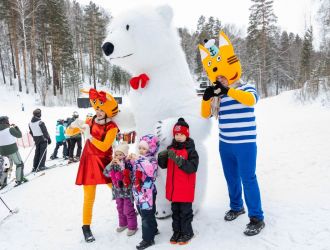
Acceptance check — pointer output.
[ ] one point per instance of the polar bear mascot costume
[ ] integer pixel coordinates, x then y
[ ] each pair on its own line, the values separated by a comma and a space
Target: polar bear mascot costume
144, 42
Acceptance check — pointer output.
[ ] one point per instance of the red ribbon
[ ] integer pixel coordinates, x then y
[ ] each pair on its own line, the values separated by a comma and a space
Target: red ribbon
94, 94
139, 81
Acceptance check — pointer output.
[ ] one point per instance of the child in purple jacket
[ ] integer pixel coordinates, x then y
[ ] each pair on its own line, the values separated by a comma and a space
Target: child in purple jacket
120, 172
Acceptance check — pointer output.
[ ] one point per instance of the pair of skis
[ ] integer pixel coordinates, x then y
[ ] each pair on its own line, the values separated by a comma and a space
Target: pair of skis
32, 176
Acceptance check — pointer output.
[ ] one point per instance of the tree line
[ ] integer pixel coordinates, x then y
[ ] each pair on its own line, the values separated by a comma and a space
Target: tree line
51, 47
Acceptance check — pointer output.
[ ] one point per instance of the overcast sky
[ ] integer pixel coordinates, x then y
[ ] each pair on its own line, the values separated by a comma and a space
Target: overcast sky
292, 14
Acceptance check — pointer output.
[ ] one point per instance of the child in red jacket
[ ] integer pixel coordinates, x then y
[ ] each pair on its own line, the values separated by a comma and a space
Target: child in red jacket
181, 161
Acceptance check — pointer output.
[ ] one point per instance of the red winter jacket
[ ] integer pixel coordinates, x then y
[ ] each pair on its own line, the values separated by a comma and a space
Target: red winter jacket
180, 181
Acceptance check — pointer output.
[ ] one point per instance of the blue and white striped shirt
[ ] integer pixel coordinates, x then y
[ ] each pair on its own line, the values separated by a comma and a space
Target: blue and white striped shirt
237, 122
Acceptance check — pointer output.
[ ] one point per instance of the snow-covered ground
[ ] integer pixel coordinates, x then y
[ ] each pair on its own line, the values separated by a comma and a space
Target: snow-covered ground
293, 171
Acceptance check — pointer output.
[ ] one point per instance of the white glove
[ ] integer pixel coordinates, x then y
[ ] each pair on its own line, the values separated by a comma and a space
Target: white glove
87, 132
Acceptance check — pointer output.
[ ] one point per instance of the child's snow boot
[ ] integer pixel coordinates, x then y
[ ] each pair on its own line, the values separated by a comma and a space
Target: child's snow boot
185, 238
131, 232
120, 229
145, 244
175, 237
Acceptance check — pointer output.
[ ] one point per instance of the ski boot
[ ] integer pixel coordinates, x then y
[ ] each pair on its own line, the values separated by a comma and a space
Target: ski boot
71, 160
21, 182
52, 157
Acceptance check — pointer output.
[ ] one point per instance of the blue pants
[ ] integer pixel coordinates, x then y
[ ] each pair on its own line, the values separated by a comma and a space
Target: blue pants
239, 167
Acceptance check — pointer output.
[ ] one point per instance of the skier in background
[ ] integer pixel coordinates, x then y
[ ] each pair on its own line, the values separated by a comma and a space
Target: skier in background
41, 138
60, 139
8, 148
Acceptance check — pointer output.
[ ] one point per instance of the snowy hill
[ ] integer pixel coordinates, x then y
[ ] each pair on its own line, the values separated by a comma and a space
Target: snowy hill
293, 170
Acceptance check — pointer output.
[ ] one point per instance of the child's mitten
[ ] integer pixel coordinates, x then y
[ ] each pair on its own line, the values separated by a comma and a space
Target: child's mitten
126, 178
113, 178
138, 180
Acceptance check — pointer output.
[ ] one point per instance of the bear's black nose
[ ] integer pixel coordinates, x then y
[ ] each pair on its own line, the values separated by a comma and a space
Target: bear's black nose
108, 48
215, 69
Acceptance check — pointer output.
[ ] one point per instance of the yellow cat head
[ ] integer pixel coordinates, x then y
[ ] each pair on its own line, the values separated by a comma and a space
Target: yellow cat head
220, 61
103, 101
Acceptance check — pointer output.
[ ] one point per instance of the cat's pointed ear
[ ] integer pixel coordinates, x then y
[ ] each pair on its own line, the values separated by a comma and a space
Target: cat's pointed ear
223, 39
203, 51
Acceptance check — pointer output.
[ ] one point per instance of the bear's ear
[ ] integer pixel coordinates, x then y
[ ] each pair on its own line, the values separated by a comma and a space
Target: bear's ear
166, 12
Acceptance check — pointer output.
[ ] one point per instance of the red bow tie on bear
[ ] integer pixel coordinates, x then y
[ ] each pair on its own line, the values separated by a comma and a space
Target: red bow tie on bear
139, 81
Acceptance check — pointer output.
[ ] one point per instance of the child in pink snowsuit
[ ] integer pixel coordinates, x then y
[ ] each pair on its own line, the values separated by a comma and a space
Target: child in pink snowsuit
144, 189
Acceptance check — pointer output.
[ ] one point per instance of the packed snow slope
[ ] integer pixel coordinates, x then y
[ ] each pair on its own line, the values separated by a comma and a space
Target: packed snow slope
293, 172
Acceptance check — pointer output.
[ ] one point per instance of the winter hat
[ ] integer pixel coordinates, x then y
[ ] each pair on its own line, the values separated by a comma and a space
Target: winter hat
122, 147
144, 144
75, 114
4, 120
152, 142
181, 127
37, 113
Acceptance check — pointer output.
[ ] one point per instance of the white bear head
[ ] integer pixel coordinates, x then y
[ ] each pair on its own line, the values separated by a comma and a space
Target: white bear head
142, 38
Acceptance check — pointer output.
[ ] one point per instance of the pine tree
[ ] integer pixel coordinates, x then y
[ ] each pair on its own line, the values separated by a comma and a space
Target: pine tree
260, 31
324, 21
306, 56
284, 65
189, 45
95, 27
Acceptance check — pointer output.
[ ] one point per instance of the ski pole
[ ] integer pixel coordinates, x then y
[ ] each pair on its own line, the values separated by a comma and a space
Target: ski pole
11, 211
29, 154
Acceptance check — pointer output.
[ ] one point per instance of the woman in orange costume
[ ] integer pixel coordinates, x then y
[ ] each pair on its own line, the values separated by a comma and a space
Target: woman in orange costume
100, 133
